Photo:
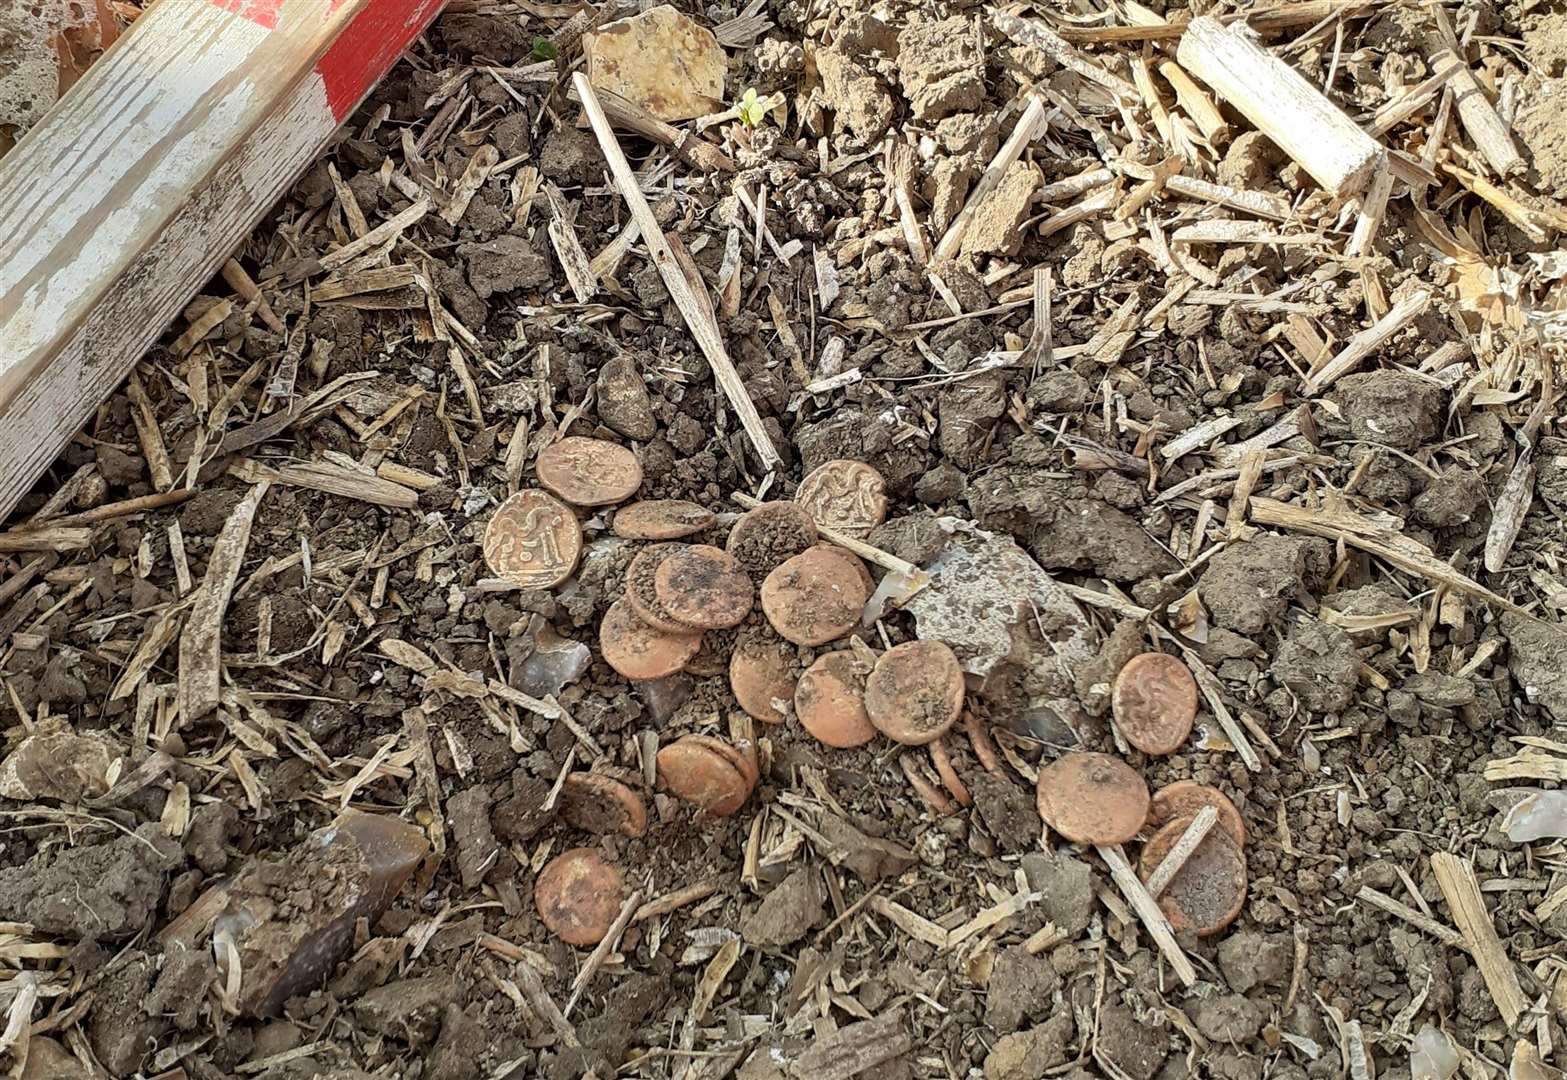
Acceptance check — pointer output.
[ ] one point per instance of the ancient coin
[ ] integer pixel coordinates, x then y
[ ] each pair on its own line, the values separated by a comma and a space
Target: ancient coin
704, 587
637, 650
830, 700
703, 777
661, 519
532, 541
1184, 798
1092, 798
850, 559
642, 588
732, 754
1155, 702
1209, 890
588, 472
577, 895
848, 496
763, 537
762, 676
597, 803
915, 692
813, 598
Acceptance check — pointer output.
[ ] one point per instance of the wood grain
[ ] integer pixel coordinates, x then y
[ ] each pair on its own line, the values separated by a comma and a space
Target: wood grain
133, 190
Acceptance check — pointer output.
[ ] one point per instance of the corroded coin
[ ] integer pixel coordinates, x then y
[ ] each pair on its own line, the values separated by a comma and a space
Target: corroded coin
640, 652
704, 776
704, 587
588, 472
661, 519
763, 675
813, 598
577, 895
830, 700
845, 495
597, 803
1209, 890
1185, 798
642, 589
1155, 702
766, 535
1092, 798
915, 692
532, 541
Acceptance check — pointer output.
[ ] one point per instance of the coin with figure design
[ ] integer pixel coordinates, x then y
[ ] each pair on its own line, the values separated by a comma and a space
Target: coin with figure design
532, 541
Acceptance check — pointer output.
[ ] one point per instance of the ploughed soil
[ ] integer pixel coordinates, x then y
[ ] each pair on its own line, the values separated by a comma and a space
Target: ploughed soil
1386, 695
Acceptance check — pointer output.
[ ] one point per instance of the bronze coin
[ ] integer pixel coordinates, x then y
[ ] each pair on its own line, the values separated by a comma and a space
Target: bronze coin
637, 650
763, 537
532, 541
703, 777
597, 803
1184, 798
577, 895
762, 676
1092, 798
848, 496
1209, 890
830, 700
732, 754
642, 589
813, 598
661, 519
915, 692
588, 472
704, 587
1155, 702
849, 558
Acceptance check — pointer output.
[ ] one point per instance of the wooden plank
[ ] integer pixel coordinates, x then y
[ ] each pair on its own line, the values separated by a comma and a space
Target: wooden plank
134, 189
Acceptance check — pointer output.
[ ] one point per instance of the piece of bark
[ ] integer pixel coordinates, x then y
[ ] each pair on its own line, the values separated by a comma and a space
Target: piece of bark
201, 649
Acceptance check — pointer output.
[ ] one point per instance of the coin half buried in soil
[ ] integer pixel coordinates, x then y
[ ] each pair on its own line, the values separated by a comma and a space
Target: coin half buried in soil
1209, 890
848, 496
577, 895
813, 598
763, 537
915, 692
1155, 702
704, 587
762, 676
830, 701
588, 472
661, 519
637, 650
703, 777
1184, 798
597, 803
642, 588
1092, 798
532, 541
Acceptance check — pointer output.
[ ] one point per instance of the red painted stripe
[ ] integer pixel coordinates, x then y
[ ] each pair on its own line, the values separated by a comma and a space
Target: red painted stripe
368, 47
263, 13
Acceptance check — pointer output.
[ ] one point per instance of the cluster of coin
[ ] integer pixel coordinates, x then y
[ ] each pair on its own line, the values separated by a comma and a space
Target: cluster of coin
1099, 799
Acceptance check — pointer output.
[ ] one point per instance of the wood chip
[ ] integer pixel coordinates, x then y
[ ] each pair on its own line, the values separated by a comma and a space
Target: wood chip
200, 655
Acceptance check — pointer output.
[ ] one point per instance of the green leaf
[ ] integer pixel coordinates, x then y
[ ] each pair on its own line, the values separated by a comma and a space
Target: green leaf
752, 112
544, 49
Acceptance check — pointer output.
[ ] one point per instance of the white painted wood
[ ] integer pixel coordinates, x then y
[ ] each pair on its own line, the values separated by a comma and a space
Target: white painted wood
135, 187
